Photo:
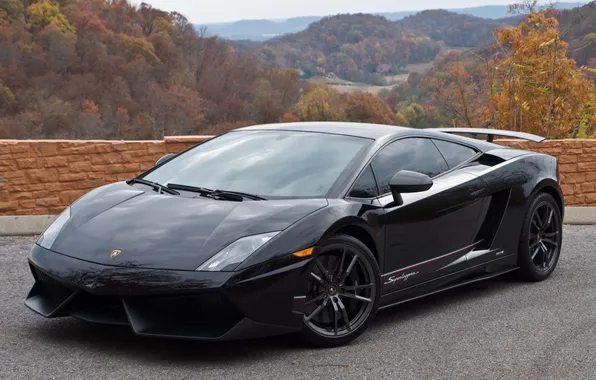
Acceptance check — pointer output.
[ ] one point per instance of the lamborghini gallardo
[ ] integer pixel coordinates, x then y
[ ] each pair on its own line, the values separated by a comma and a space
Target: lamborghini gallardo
303, 228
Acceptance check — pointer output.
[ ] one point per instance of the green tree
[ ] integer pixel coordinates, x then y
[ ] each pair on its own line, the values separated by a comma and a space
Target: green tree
11, 10
6, 96
414, 115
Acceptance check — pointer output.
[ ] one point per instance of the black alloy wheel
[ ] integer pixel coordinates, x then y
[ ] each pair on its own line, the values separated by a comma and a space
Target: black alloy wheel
542, 236
343, 292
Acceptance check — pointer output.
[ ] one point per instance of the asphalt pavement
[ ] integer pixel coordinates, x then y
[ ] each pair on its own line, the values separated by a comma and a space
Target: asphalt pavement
499, 329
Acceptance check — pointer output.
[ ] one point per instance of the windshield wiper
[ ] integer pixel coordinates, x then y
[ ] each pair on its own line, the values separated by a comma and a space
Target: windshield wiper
201, 190
226, 193
156, 186
220, 194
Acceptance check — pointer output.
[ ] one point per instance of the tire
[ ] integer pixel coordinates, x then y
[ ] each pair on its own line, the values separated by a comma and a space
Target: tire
344, 284
541, 238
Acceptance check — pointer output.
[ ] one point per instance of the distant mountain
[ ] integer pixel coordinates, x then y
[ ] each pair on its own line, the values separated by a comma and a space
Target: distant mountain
355, 47
578, 28
261, 30
455, 29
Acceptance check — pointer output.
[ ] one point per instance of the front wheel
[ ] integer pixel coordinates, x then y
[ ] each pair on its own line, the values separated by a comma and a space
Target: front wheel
541, 239
343, 292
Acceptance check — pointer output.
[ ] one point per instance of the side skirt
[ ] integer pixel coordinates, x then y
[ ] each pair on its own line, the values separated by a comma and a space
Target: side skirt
416, 291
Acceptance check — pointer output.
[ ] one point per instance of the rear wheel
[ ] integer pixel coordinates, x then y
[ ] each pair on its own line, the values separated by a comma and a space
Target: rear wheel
343, 292
541, 238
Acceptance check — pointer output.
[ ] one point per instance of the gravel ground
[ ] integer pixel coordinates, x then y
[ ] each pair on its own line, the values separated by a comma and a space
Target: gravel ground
499, 329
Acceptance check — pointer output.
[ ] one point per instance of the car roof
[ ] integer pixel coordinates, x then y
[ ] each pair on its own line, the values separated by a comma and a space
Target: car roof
371, 131
378, 132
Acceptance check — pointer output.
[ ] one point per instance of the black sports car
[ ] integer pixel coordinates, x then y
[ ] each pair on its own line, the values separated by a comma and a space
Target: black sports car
303, 227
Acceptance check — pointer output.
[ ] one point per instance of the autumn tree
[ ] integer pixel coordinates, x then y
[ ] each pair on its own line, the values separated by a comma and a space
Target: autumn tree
59, 47
139, 47
121, 120
320, 104
459, 91
150, 19
364, 107
142, 127
540, 90
44, 13
89, 120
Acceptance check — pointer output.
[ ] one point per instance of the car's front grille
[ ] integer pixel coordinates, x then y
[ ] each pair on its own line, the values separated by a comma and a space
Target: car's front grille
203, 315
52, 287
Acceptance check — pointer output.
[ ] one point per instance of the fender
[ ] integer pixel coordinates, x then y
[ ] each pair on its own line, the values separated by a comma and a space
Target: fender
319, 226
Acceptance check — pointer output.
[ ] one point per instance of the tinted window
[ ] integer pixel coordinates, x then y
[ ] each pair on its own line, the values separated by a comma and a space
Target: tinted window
454, 153
365, 186
418, 155
266, 163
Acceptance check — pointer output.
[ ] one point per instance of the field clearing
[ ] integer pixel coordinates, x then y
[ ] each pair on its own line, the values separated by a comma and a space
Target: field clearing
342, 88
346, 86
334, 81
420, 68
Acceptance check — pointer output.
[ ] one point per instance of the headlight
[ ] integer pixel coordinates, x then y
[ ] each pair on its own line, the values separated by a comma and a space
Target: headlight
231, 256
47, 238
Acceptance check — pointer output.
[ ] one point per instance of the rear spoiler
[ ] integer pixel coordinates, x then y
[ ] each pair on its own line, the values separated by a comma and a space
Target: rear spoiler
491, 133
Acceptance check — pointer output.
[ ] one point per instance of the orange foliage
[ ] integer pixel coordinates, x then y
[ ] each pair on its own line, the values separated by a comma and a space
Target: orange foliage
459, 95
539, 89
89, 107
110, 69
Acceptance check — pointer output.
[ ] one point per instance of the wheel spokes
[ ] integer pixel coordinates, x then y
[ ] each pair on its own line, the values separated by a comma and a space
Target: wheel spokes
317, 310
356, 297
336, 315
318, 298
535, 252
550, 218
322, 270
544, 219
344, 314
544, 240
356, 287
341, 292
341, 264
319, 279
536, 222
348, 270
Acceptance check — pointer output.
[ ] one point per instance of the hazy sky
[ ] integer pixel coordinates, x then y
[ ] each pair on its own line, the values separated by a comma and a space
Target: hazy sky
206, 11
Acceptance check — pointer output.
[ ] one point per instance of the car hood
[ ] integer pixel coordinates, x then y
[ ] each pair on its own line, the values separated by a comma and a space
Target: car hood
167, 232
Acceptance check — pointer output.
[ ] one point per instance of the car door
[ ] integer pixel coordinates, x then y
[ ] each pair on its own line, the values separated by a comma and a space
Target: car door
431, 232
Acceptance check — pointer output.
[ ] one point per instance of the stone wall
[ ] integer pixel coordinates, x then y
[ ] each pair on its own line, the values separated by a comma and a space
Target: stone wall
577, 166
41, 177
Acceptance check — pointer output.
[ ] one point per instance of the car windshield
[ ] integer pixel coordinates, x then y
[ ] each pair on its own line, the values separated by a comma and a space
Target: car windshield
266, 163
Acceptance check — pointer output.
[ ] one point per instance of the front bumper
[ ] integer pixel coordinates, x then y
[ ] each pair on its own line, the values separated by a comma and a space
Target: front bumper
177, 304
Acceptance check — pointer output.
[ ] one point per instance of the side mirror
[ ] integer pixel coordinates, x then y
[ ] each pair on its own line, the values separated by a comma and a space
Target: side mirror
406, 181
165, 158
